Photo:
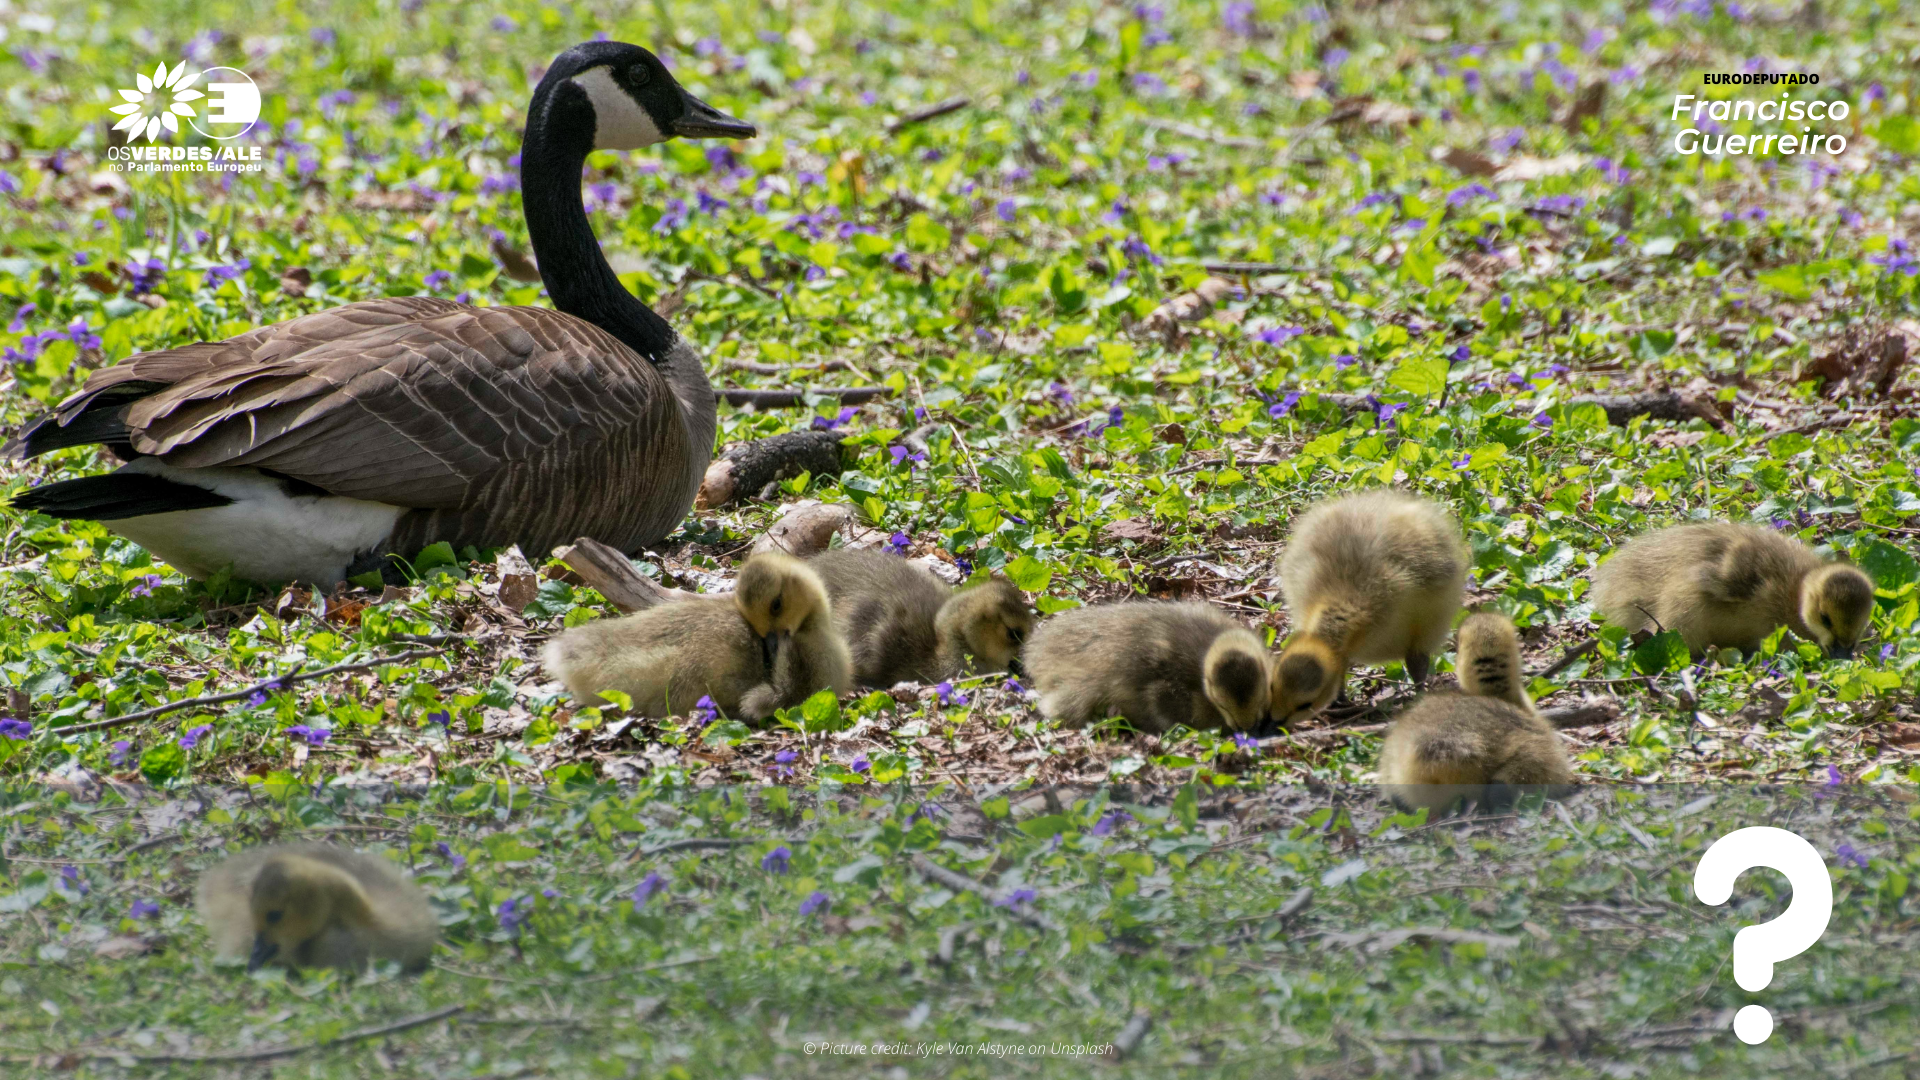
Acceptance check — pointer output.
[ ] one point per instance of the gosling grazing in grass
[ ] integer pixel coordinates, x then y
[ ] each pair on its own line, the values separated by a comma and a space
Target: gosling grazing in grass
768, 646
1368, 578
1156, 664
315, 905
1480, 745
1732, 586
903, 624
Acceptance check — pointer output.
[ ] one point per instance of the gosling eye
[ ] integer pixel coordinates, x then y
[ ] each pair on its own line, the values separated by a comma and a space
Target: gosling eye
774, 608
1826, 621
274, 917
1016, 636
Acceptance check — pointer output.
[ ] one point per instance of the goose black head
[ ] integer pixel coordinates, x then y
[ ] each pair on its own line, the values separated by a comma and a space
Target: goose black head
634, 100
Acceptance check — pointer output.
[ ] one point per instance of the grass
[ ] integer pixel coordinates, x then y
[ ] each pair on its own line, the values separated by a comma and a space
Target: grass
583, 936
997, 269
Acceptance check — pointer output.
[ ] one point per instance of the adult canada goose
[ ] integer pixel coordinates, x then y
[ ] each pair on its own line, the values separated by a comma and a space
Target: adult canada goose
902, 623
1482, 745
768, 646
312, 449
1155, 663
315, 905
1732, 585
1368, 578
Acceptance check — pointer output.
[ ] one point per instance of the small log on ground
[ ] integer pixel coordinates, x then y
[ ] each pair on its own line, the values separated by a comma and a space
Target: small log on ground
614, 575
805, 530
744, 469
1656, 405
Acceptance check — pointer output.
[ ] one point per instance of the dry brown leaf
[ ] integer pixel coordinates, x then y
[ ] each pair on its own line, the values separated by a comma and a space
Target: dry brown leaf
1467, 162
295, 280
1140, 530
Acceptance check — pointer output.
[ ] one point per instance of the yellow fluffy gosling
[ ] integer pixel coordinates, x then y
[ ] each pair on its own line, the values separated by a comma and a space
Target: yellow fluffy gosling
1731, 586
905, 625
768, 646
1480, 745
1156, 664
315, 905
1368, 578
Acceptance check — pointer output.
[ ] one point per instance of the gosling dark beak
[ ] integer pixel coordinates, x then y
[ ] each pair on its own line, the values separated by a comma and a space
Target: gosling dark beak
703, 121
1016, 669
263, 952
1837, 651
769, 648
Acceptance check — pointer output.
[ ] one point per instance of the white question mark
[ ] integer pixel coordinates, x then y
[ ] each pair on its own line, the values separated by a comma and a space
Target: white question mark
1757, 948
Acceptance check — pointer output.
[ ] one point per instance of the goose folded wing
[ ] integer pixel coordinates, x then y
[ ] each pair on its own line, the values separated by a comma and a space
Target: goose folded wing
416, 413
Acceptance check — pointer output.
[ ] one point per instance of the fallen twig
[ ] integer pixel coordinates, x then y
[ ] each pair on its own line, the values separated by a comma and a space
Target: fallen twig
278, 682
1203, 134
793, 399
1130, 1036
273, 1052
1253, 269
757, 368
933, 871
1567, 658
1592, 712
697, 843
931, 112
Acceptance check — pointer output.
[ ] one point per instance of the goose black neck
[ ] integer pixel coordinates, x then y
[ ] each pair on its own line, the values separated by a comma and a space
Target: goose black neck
559, 135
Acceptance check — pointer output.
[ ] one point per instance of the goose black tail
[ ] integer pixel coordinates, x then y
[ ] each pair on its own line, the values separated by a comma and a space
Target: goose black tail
114, 496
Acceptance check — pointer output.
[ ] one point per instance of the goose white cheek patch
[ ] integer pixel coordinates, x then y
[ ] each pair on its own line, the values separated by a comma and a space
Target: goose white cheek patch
619, 121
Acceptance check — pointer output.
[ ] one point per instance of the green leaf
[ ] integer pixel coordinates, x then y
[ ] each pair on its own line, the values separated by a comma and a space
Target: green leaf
1425, 378
434, 556
1900, 133
1892, 569
1790, 280
1664, 651
1029, 573
163, 763
821, 712
1045, 826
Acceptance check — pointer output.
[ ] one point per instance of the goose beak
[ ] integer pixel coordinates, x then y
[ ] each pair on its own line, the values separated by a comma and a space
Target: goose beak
703, 121
263, 951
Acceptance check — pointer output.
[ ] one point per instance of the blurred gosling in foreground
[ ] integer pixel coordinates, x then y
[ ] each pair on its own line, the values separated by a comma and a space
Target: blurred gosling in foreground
1367, 578
768, 646
315, 905
1480, 745
905, 625
1732, 586
1156, 664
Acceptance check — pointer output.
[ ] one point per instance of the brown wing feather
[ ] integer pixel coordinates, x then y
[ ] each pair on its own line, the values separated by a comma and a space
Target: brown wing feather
497, 425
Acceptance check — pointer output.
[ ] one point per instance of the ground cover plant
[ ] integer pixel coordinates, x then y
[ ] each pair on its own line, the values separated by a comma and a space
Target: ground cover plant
1134, 284
668, 931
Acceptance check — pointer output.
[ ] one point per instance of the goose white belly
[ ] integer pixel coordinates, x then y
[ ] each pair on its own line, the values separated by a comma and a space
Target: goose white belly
264, 534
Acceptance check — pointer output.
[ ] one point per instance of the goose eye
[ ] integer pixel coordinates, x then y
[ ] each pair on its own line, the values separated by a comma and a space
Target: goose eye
638, 74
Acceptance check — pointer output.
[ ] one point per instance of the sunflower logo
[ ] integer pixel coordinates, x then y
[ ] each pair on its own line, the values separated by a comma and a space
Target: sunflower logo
145, 108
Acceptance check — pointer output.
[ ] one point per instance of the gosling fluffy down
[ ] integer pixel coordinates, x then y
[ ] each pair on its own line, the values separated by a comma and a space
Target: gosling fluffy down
1732, 586
1368, 578
1156, 664
768, 646
1480, 746
903, 624
315, 905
